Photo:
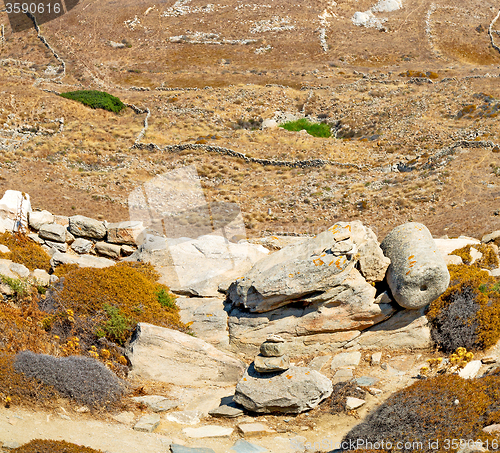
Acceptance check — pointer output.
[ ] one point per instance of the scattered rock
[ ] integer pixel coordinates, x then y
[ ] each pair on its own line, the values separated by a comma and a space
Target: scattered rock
346, 359
491, 237
296, 390
185, 417
41, 277
274, 346
353, 403
319, 362
375, 359
417, 274
208, 431
365, 381
228, 410
15, 206
82, 226
52, 232
19, 269
57, 246
342, 375
38, 218
264, 364
147, 423
127, 418
82, 246
167, 355
125, 232
254, 429
156, 403
243, 446
176, 448
109, 250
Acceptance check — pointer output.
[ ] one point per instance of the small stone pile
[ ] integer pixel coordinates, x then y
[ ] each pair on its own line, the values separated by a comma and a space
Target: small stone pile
272, 357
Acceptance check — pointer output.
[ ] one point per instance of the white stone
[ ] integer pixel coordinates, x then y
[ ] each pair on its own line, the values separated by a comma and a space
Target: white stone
4, 249
375, 359
19, 269
41, 277
39, 218
346, 359
16, 206
353, 403
471, 370
387, 6
208, 431
269, 124
447, 246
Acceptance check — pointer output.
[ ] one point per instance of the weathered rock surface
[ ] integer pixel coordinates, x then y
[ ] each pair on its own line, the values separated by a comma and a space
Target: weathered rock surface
170, 356
16, 206
417, 274
82, 226
346, 359
208, 318
82, 260
325, 322
109, 250
52, 232
296, 390
38, 218
198, 266
406, 329
274, 346
82, 246
312, 268
125, 232
156, 403
57, 246
147, 423
447, 246
265, 364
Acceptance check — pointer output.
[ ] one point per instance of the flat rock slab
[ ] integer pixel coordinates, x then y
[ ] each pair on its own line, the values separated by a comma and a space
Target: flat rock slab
227, 411
342, 375
255, 429
243, 446
319, 362
59, 258
293, 391
208, 431
448, 246
471, 370
156, 403
185, 417
166, 355
127, 418
346, 359
271, 364
354, 403
405, 329
147, 423
175, 448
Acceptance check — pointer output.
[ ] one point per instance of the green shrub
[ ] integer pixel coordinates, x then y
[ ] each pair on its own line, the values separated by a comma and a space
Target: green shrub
19, 287
166, 299
96, 99
427, 411
314, 129
53, 446
118, 327
467, 314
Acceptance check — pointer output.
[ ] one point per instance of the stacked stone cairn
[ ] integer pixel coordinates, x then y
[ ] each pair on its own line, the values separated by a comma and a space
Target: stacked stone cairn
272, 357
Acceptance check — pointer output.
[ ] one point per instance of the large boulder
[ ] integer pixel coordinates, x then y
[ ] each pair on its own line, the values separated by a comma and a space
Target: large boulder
86, 227
52, 232
295, 390
166, 355
310, 269
16, 206
199, 266
39, 218
417, 274
320, 322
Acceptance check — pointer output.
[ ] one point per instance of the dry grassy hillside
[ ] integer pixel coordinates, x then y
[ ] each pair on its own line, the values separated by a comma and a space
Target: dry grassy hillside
424, 79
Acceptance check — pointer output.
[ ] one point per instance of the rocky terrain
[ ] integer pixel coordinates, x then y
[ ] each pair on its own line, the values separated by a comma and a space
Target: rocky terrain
284, 228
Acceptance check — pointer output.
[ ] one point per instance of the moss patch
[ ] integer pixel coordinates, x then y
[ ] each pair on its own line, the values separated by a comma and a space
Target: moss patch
467, 314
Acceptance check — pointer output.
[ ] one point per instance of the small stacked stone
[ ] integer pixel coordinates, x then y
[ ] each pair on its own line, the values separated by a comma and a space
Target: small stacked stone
272, 357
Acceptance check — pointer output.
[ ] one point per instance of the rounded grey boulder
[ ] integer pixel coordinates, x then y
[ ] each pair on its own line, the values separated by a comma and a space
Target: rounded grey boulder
417, 274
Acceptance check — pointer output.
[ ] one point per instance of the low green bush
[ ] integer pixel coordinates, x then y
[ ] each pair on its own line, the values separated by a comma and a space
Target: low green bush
314, 129
96, 99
